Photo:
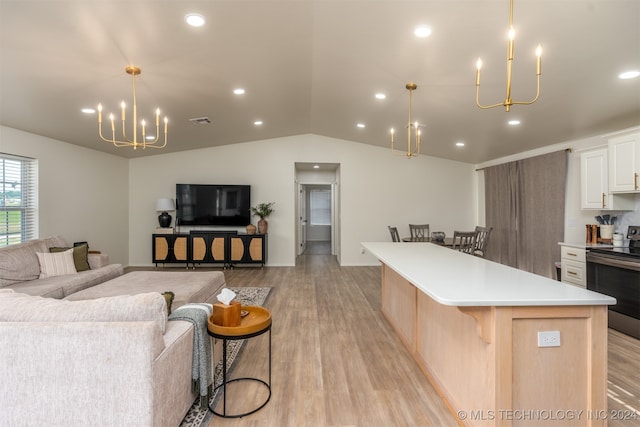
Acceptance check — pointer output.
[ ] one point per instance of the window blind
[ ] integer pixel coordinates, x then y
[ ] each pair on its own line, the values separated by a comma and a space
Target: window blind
320, 204
18, 199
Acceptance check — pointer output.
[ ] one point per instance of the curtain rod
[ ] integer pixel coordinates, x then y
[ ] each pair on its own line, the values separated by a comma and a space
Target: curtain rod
568, 150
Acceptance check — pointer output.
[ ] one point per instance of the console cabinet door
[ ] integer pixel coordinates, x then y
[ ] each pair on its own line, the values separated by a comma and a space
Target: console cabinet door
170, 248
161, 247
181, 248
248, 249
208, 247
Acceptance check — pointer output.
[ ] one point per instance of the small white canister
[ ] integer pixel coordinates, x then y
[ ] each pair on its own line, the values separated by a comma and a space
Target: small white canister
606, 231
617, 239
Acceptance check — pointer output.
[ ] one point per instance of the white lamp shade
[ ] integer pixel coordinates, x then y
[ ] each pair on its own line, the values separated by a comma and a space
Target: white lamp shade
163, 205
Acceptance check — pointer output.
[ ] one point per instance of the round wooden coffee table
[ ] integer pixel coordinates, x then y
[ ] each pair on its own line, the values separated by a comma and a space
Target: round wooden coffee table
255, 323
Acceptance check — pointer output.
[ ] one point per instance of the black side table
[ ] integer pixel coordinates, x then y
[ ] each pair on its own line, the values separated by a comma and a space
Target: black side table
256, 323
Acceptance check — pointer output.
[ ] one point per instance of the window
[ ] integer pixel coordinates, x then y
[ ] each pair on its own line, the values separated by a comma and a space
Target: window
18, 199
320, 204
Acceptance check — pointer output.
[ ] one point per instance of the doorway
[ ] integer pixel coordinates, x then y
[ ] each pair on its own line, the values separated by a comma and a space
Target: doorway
317, 209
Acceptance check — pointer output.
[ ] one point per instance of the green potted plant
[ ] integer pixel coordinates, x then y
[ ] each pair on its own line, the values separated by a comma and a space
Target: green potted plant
263, 210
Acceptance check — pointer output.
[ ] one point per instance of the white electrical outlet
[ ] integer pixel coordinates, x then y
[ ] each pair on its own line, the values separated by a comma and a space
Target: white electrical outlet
549, 339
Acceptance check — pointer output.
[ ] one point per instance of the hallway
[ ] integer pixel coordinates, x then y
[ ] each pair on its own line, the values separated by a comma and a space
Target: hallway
318, 248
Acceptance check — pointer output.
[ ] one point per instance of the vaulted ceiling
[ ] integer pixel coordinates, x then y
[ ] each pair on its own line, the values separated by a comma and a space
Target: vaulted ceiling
315, 67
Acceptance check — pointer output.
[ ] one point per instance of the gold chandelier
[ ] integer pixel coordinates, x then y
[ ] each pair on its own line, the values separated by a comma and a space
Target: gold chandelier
508, 102
413, 129
146, 140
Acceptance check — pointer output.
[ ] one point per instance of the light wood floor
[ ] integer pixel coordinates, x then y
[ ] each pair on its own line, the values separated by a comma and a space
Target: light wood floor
337, 362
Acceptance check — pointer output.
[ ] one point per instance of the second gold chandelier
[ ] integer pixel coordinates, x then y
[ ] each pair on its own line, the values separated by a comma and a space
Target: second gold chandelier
508, 102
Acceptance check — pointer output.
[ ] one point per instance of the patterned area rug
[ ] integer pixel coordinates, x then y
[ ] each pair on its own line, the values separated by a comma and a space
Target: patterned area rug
197, 417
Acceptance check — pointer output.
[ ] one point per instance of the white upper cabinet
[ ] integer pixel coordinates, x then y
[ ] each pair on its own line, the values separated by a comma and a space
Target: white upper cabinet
624, 163
595, 183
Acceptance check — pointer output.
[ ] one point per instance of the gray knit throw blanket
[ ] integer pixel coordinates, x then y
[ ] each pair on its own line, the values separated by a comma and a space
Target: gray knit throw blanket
198, 314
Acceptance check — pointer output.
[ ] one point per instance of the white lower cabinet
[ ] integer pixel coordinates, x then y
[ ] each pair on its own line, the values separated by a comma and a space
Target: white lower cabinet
574, 266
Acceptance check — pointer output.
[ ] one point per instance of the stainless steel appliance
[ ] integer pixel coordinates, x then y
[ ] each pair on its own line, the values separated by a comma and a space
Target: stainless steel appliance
616, 272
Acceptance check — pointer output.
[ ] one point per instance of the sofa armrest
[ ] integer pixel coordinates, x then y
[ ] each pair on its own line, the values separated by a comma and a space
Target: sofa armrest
78, 373
97, 260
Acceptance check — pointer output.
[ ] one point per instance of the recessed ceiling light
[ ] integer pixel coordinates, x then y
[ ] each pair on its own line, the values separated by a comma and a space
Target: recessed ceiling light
316, 166
514, 122
360, 125
380, 96
239, 91
422, 31
257, 122
632, 74
459, 144
89, 110
194, 19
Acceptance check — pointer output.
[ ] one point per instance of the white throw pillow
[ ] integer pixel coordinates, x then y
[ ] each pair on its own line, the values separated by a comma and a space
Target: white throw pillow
56, 264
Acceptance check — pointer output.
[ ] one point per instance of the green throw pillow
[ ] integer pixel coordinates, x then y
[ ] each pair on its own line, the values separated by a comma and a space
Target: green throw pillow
80, 256
169, 296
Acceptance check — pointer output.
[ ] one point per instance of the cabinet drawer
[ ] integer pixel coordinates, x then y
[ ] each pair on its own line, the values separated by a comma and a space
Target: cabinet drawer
573, 254
574, 273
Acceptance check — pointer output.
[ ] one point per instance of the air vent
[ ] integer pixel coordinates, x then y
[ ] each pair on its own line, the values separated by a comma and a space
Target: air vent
200, 121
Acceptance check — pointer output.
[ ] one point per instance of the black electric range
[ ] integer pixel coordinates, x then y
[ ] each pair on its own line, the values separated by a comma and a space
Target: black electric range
616, 272
622, 252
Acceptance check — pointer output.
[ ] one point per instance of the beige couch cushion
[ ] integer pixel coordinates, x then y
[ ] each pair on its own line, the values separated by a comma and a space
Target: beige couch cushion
16, 307
19, 263
188, 286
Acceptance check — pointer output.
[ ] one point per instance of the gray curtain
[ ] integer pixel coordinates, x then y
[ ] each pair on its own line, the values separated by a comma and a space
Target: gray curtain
501, 212
525, 206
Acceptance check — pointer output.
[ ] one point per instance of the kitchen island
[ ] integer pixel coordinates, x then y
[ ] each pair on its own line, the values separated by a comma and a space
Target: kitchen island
473, 326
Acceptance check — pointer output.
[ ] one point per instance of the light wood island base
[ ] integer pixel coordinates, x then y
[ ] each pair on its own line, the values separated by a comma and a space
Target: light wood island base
486, 364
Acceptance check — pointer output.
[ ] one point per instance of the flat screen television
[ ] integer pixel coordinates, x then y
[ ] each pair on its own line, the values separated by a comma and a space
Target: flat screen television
203, 204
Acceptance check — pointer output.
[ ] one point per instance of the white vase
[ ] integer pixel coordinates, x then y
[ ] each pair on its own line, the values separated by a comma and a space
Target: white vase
606, 231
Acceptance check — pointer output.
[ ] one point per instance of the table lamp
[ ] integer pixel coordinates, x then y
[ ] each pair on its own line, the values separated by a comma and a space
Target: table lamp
164, 205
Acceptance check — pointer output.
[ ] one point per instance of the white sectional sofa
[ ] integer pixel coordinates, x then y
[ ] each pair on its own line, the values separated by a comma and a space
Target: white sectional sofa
94, 347
112, 361
20, 270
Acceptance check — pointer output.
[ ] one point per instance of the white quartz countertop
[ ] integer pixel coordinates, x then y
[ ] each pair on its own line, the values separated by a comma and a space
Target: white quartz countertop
458, 279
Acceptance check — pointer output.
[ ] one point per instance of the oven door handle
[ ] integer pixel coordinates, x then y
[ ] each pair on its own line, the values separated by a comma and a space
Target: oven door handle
597, 259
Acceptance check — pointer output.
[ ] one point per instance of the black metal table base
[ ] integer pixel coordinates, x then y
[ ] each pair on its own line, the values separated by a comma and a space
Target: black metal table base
225, 381
244, 414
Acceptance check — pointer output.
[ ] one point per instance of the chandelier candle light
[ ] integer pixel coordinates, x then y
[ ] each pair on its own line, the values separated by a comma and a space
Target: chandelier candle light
415, 150
125, 141
508, 102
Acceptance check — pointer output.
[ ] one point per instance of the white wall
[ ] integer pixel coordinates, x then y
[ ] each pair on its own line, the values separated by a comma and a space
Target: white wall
83, 193
377, 190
